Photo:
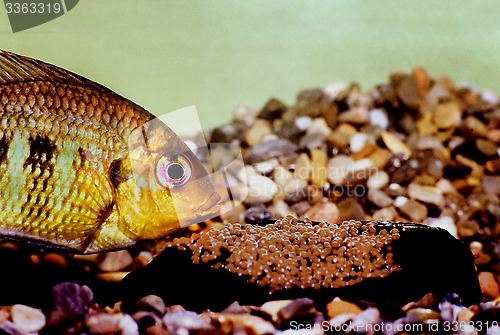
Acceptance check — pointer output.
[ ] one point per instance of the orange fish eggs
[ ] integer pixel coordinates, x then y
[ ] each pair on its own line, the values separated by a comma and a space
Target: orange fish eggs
291, 253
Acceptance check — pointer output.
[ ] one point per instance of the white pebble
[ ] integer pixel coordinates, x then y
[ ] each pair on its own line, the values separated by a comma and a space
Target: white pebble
445, 186
378, 180
128, 326
489, 97
266, 166
261, 189
303, 122
319, 126
245, 114
445, 222
333, 90
378, 117
357, 142
27, 319
400, 201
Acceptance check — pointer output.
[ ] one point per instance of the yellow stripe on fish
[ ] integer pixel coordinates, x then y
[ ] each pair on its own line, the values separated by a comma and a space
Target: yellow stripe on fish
84, 169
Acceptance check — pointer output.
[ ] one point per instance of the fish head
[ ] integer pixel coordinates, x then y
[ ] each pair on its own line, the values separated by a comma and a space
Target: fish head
166, 187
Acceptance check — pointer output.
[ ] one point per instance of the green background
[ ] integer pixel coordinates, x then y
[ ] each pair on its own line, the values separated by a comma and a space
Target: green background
165, 55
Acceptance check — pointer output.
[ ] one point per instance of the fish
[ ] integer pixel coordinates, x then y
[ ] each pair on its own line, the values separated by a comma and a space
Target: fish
86, 170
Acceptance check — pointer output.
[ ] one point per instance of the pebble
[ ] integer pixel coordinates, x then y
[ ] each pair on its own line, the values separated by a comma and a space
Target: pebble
27, 319
424, 314
245, 115
326, 211
342, 170
266, 167
128, 326
378, 180
261, 190
102, 323
257, 214
319, 126
114, 276
380, 157
72, 299
491, 185
446, 222
279, 209
265, 150
487, 147
115, 261
273, 307
186, 322
394, 144
300, 208
494, 135
358, 141
240, 323
303, 167
411, 208
319, 159
226, 134
379, 118
297, 308
356, 115
258, 130
427, 194
477, 250
152, 302
379, 198
335, 90
338, 168
407, 91
365, 321
475, 126
350, 209
273, 109
312, 141
341, 134
447, 115
303, 122
337, 307
296, 190
387, 213
489, 284
142, 259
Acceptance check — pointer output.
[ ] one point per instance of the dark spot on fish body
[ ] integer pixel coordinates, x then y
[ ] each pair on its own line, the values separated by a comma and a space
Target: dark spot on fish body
120, 171
42, 149
4, 148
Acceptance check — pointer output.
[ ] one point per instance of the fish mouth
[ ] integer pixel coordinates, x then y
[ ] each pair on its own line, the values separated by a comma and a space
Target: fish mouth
210, 206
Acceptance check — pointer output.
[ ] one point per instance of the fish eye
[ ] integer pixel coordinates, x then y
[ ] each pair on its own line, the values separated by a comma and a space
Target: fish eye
173, 170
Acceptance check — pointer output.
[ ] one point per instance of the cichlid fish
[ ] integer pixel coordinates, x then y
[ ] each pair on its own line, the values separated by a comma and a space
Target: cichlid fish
84, 169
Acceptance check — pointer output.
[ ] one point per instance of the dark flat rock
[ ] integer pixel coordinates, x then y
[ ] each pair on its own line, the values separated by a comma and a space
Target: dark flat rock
432, 261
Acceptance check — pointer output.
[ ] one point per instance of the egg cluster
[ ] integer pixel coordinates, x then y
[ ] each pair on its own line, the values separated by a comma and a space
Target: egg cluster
291, 253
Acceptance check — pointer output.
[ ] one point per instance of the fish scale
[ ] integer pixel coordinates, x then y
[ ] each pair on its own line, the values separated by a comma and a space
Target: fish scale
32, 199
77, 164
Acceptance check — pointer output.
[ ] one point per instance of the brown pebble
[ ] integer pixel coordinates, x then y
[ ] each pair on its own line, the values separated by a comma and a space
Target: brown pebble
350, 209
112, 276
338, 306
394, 144
54, 258
424, 314
102, 323
324, 212
408, 91
116, 261
245, 323
447, 115
489, 284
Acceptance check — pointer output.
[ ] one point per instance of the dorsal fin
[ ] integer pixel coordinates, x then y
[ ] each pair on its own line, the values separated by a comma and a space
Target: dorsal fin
16, 68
